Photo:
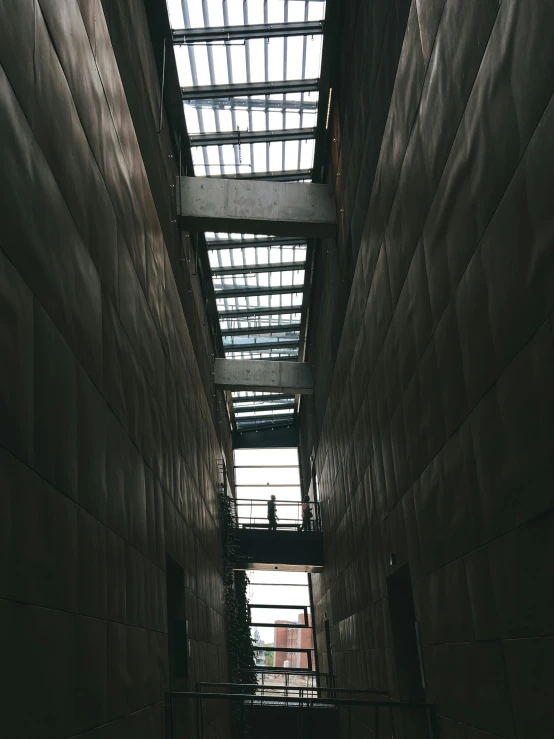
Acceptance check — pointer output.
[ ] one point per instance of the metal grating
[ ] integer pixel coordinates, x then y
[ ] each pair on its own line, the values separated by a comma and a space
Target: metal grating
223, 53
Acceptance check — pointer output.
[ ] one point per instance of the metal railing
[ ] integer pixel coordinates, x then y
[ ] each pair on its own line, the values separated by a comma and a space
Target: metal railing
375, 709
291, 675
252, 514
312, 691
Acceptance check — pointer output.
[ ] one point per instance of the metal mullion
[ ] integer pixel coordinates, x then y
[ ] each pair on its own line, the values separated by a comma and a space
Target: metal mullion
262, 268
234, 276
227, 33
243, 256
194, 75
247, 137
249, 79
293, 175
243, 312
219, 260
250, 104
248, 89
266, 69
257, 279
230, 75
304, 56
268, 346
280, 319
256, 262
285, 53
260, 329
206, 18
266, 241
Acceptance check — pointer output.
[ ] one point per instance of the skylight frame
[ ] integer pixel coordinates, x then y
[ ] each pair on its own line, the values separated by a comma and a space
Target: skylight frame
221, 63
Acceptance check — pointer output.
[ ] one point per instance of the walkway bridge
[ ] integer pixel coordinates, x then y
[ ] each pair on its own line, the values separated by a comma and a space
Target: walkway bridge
291, 546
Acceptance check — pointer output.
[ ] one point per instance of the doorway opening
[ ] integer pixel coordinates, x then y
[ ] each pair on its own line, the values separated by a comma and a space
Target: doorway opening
177, 625
405, 635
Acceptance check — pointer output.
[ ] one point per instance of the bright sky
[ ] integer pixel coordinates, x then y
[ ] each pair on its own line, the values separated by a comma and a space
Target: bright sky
270, 587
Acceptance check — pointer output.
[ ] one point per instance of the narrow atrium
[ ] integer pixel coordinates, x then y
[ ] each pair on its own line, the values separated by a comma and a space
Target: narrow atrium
277, 369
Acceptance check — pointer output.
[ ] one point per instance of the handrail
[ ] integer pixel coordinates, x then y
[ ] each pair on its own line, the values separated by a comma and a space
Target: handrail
428, 710
293, 670
364, 691
247, 501
255, 519
283, 699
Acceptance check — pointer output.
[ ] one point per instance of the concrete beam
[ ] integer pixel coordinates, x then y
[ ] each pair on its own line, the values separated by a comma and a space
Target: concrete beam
275, 437
256, 207
265, 375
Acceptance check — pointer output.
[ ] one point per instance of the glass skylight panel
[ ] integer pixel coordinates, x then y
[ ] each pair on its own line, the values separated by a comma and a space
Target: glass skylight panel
175, 12
240, 61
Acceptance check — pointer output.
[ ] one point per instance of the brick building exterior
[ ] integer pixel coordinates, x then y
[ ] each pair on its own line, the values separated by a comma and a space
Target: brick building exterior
293, 638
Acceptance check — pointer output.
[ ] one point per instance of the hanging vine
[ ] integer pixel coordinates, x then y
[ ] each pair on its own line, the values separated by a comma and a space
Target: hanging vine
242, 663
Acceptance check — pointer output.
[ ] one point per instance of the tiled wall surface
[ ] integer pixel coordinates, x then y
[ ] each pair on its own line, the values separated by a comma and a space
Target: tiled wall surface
434, 427
108, 445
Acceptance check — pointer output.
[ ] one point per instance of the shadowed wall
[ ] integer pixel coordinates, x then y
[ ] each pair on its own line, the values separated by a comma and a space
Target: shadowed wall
109, 441
432, 430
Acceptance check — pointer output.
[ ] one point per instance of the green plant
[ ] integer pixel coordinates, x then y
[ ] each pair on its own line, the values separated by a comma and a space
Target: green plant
242, 663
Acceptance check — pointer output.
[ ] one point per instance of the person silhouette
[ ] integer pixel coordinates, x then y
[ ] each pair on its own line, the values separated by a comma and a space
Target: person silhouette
272, 514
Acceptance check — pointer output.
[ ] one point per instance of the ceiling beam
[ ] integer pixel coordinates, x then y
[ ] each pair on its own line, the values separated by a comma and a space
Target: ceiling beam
247, 292
281, 435
253, 347
258, 268
263, 420
272, 358
239, 33
265, 375
255, 312
247, 243
242, 206
285, 328
253, 104
255, 408
242, 89
255, 398
284, 175
251, 137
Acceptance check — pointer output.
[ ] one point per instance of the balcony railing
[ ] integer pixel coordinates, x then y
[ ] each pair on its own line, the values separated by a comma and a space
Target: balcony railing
252, 514
300, 691
373, 712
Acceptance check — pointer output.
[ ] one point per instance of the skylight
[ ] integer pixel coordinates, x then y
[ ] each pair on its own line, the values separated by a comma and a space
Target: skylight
249, 74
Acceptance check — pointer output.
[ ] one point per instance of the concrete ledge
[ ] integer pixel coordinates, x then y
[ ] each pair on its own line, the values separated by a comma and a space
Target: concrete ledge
256, 207
289, 551
264, 374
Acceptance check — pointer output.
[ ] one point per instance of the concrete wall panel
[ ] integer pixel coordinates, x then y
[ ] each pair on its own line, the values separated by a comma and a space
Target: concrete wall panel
109, 441
432, 350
